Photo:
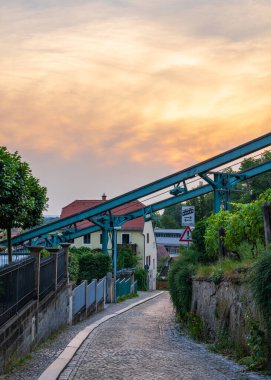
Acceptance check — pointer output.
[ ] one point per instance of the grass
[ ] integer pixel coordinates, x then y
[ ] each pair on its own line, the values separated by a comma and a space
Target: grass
224, 268
17, 363
127, 297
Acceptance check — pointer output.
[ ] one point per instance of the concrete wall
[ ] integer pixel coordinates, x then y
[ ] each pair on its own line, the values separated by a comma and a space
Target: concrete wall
226, 305
33, 324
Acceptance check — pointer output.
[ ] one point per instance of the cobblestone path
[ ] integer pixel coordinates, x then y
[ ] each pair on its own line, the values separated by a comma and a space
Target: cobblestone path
143, 343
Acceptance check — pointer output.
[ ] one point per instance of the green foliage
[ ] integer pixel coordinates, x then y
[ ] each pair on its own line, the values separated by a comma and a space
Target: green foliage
214, 222
141, 277
22, 199
260, 284
198, 234
73, 266
87, 264
195, 327
258, 347
127, 297
126, 258
243, 224
44, 253
180, 281
204, 205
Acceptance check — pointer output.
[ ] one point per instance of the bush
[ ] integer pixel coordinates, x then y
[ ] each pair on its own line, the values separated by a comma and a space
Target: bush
88, 264
94, 266
126, 258
180, 281
260, 284
141, 277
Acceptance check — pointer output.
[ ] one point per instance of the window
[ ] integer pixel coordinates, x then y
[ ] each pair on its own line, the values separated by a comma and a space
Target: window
148, 237
125, 239
101, 238
87, 239
148, 260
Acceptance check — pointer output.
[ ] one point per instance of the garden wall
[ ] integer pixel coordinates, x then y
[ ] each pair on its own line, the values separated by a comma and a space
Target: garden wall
227, 306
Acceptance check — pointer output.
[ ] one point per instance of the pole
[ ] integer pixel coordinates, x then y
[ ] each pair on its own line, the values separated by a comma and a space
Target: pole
115, 263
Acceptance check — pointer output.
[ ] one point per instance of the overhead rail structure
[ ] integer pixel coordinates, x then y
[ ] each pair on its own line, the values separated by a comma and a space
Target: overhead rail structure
71, 234
221, 184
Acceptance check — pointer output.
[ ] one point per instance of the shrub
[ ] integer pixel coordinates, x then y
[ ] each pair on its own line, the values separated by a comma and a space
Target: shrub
141, 277
87, 264
260, 284
94, 266
180, 282
126, 258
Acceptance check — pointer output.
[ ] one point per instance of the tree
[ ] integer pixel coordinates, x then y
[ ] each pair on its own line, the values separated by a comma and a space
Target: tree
22, 199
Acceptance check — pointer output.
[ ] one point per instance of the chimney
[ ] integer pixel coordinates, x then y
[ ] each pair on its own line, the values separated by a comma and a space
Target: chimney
104, 197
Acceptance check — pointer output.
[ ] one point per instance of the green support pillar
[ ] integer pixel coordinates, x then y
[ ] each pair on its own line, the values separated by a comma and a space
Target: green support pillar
105, 240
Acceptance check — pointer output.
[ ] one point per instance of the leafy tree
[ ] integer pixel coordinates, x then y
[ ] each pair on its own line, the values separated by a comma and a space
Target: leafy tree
22, 199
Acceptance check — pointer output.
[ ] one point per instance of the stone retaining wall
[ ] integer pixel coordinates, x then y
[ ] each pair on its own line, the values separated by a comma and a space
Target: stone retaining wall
226, 306
33, 324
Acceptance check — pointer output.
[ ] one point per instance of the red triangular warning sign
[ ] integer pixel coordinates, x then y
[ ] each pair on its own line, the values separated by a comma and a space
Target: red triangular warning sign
187, 235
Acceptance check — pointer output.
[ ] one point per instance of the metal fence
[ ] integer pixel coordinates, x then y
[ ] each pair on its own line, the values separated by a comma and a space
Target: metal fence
47, 276
17, 286
124, 287
16, 256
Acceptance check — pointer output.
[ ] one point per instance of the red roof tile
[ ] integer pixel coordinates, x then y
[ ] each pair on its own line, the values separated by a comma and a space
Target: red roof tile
82, 205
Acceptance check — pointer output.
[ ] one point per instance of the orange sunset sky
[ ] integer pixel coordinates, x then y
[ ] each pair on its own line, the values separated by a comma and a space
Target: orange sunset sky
105, 96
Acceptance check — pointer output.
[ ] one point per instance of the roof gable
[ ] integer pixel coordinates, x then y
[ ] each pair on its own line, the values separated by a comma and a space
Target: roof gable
82, 205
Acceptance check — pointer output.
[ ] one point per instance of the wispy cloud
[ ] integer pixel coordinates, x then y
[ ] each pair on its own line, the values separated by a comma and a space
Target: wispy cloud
163, 82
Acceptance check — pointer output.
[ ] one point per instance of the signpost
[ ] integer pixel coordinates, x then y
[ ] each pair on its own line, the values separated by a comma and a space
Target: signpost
188, 215
187, 236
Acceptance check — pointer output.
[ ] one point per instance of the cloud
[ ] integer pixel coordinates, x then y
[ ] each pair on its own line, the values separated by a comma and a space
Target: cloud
170, 83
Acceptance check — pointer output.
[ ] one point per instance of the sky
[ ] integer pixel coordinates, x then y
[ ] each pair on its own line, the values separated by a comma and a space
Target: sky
104, 96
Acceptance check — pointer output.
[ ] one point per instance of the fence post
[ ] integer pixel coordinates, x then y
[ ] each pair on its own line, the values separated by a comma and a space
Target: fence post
35, 251
96, 294
132, 283
109, 287
54, 253
86, 296
65, 247
266, 211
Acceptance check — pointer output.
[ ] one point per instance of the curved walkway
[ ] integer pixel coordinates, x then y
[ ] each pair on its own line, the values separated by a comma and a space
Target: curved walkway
143, 343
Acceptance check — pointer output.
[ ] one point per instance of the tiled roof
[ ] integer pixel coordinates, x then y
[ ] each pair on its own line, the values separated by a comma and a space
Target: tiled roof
82, 205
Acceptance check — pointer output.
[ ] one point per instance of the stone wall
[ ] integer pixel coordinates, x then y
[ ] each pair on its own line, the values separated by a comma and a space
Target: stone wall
227, 306
34, 323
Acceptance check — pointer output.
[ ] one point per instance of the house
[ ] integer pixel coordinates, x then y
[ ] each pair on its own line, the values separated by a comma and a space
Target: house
134, 233
171, 240
150, 254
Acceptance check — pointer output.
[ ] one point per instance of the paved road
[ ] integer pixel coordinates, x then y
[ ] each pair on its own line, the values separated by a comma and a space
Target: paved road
143, 343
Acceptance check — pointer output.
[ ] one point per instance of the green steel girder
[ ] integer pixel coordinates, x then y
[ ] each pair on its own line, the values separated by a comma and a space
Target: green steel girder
203, 167
222, 184
148, 210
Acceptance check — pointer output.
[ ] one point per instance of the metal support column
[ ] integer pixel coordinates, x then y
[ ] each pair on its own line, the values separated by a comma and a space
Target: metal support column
115, 254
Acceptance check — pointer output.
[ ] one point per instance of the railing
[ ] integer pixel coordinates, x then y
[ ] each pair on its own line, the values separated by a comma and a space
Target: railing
17, 286
47, 277
16, 256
